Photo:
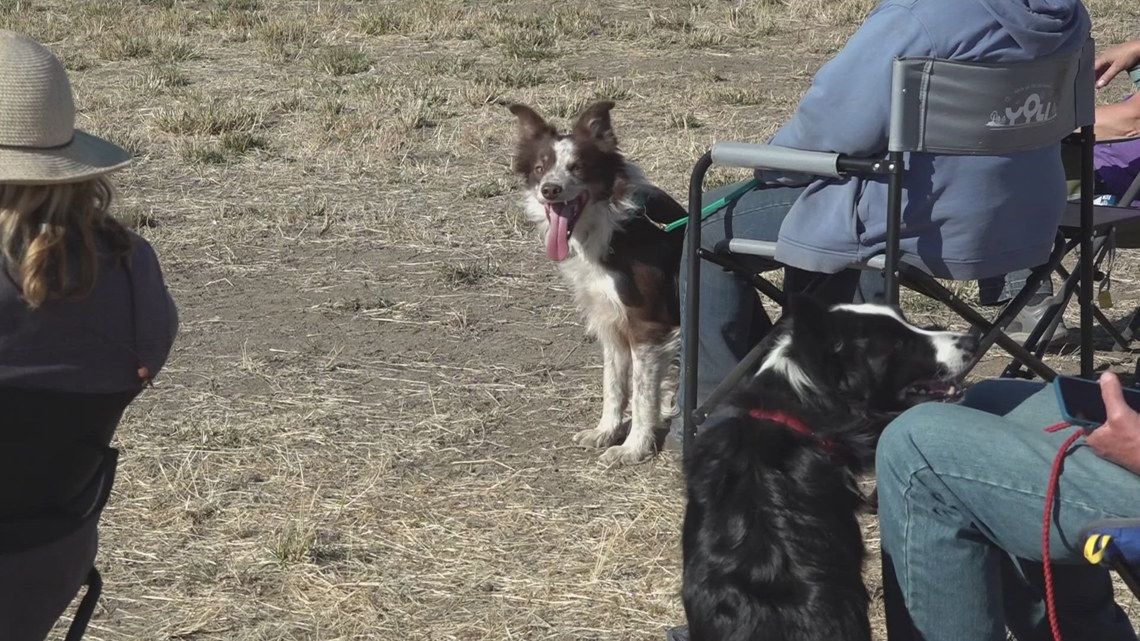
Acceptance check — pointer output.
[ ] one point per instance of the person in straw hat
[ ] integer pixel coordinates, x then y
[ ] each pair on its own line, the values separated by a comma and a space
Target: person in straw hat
86, 322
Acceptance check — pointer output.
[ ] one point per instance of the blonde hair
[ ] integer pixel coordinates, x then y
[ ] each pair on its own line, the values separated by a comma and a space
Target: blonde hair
42, 227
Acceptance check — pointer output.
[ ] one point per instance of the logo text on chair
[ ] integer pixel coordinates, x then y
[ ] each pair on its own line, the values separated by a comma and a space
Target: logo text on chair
1027, 107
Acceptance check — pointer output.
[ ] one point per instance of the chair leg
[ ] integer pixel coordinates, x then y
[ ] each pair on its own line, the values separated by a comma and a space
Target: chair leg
86, 608
729, 263
919, 281
1132, 327
1038, 340
1117, 338
729, 382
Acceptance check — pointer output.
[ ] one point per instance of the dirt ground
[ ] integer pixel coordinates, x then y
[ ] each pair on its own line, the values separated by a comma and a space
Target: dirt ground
363, 432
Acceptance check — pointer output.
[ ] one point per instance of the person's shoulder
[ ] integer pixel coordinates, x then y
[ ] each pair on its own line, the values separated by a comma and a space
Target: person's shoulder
143, 254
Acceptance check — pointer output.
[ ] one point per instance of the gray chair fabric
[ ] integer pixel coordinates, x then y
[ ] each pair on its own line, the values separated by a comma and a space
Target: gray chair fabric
950, 107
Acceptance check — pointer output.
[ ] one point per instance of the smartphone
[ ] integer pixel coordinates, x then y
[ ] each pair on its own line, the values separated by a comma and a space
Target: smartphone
1081, 402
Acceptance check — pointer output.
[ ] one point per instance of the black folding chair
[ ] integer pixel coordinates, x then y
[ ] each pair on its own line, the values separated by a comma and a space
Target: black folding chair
938, 107
57, 470
1114, 227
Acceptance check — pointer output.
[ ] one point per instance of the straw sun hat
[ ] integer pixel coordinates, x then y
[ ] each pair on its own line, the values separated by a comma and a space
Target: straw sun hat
39, 143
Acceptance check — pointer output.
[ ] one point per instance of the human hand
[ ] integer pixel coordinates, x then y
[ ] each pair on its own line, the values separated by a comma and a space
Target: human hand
1118, 440
1122, 57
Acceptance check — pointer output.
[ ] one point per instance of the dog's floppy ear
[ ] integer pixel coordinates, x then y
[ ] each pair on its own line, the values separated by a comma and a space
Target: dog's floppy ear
531, 125
595, 123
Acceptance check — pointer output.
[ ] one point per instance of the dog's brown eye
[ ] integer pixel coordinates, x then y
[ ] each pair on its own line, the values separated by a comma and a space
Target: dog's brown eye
538, 169
574, 167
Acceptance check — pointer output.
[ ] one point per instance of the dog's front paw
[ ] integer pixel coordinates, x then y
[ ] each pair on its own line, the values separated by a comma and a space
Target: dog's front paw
597, 437
627, 454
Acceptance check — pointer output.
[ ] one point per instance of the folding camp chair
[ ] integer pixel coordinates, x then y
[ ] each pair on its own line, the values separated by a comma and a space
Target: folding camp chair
1113, 227
56, 473
1115, 543
941, 107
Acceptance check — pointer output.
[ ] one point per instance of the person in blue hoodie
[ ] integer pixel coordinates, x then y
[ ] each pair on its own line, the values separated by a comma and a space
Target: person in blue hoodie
968, 217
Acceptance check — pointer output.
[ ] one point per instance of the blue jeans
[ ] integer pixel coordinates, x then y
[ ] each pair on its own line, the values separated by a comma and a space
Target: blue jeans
961, 498
732, 319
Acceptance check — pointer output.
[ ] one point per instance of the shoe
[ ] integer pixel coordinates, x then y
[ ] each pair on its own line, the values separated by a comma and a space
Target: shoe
1029, 317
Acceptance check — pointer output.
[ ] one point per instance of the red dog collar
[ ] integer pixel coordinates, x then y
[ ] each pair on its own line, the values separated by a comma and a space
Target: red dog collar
794, 424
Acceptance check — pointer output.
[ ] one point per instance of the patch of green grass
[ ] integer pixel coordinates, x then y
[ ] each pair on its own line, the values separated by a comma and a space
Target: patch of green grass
510, 76
212, 117
467, 274
565, 22
438, 19
669, 22
483, 190
120, 46
12, 6
293, 544
238, 5
175, 51
527, 45
284, 39
568, 107
229, 147
131, 140
419, 114
704, 39
159, 77
612, 89
383, 21
452, 66
479, 95
331, 108
342, 61
684, 121
204, 154
75, 61
741, 96
135, 218
239, 143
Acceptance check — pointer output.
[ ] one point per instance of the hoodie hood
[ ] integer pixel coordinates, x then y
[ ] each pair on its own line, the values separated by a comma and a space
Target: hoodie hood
1041, 27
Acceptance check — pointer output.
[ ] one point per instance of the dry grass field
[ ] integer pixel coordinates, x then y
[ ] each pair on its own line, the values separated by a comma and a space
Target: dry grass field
363, 432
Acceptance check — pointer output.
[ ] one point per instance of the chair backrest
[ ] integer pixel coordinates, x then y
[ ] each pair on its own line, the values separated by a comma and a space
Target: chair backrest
56, 463
950, 107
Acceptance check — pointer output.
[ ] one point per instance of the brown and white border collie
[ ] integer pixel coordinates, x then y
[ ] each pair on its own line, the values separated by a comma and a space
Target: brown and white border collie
602, 224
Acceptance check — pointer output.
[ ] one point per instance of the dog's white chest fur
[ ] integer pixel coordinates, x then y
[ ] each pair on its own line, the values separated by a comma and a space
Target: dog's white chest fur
594, 286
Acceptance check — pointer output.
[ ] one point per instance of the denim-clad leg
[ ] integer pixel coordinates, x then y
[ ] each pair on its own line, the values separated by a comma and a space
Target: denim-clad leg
732, 319
961, 497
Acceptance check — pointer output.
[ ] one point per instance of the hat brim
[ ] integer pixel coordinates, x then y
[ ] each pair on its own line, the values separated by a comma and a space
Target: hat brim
85, 157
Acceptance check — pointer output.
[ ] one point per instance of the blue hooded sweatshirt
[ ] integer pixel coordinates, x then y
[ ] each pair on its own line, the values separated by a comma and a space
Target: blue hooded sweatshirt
966, 216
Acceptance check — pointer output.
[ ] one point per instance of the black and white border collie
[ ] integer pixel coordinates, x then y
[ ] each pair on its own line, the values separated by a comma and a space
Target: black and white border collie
771, 542
603, 225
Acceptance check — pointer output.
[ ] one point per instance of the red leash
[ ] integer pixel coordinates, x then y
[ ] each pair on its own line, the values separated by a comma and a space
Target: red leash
1050, 496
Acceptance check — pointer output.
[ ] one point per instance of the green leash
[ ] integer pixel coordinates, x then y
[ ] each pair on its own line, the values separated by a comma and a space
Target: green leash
710, 208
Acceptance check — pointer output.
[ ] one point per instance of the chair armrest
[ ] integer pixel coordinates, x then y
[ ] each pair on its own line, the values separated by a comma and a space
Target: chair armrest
771, 157
762, 248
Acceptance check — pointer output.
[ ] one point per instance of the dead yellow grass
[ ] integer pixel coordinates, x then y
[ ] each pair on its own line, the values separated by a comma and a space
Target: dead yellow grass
363, 432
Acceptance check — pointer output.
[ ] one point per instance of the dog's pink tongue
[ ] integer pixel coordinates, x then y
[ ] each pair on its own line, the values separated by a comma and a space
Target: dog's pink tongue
557, 236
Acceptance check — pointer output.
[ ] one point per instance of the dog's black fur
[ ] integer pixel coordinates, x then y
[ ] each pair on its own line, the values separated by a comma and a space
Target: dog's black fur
772, 546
